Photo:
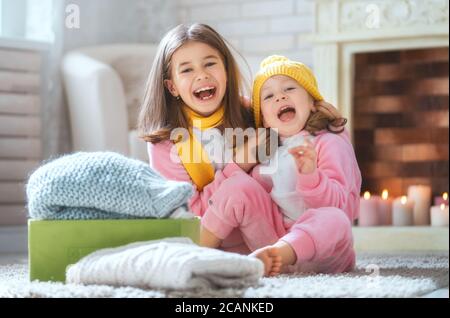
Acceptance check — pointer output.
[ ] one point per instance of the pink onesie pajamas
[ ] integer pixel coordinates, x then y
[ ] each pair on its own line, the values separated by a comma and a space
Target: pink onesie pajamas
238, 208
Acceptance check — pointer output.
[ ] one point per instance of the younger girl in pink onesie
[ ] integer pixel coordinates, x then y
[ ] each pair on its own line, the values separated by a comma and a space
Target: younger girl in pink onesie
314, 182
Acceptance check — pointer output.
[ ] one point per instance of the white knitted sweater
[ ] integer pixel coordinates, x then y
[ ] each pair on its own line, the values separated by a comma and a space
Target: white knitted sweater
172, 263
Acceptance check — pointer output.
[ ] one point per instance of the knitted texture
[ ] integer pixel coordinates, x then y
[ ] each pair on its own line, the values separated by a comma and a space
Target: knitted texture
171, 263
280, 65
102, 185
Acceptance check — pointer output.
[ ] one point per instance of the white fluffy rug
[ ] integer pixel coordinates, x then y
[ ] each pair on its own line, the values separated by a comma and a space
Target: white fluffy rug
375, 276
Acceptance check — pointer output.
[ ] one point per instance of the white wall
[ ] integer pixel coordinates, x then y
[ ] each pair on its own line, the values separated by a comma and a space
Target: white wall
257, 28
119, 21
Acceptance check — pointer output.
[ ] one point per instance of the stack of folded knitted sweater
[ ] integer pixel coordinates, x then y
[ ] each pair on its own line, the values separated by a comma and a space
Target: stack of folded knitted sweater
102, 185
171, 263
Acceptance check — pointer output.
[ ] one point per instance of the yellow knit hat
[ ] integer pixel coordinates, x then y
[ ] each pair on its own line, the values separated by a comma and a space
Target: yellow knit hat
280, 65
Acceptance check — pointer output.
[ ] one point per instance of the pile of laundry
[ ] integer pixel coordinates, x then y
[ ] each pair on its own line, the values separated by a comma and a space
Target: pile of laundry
107, 185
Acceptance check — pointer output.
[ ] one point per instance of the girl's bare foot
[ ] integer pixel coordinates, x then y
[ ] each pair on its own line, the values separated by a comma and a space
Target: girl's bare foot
287, 253
275, 257
271, 258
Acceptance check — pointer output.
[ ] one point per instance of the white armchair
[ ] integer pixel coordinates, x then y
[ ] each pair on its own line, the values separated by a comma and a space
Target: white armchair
105, 87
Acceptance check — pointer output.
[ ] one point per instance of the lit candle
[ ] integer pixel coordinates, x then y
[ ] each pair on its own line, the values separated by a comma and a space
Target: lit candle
439, 215
421, 195
442, 199
385, 209
368, 215
403, 212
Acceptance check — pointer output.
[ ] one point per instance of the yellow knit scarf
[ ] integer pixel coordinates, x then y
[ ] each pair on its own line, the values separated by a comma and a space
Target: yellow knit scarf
194, 158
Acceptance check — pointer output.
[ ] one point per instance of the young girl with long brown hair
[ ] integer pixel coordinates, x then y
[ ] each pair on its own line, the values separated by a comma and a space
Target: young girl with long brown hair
195, 87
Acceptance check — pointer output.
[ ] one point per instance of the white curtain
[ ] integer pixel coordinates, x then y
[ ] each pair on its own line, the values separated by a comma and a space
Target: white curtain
56, 134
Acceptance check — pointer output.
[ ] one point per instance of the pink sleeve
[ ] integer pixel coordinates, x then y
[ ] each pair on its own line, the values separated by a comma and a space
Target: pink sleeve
164, 159
337, 179
346, 135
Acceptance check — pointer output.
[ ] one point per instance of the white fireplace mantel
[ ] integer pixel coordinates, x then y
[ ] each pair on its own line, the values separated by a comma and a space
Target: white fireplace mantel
346, 27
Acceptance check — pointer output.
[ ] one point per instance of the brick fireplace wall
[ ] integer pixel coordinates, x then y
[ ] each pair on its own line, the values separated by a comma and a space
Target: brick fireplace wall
401, 119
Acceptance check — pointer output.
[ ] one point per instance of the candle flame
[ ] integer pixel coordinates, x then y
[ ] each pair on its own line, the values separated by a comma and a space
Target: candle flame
385, 194
367, 195
403, 199
445, 196
442, 207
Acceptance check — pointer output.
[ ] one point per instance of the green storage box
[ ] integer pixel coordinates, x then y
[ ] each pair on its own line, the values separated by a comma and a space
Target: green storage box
53, 245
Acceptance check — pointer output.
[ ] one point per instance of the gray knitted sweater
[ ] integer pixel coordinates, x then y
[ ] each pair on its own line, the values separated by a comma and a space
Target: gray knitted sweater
102, 185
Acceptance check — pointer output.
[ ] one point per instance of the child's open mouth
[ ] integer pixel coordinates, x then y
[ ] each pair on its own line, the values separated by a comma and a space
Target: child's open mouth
205, 93
286, 113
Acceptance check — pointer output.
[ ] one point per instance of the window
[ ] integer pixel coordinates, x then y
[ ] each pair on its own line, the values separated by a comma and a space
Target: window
38, 22
0, 18
26, 19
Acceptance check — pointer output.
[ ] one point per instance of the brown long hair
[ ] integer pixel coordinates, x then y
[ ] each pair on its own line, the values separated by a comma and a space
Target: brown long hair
161, 112
323, 119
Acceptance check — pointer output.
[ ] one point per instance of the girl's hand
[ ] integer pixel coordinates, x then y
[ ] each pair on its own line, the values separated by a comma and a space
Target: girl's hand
244, 157
246, 101
247, 167
305, 157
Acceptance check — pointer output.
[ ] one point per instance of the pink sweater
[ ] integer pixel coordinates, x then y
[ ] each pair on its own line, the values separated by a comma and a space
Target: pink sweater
337, 179
336, 182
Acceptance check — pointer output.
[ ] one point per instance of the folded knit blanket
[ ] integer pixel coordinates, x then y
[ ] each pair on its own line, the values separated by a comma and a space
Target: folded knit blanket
173, 263
102, 185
